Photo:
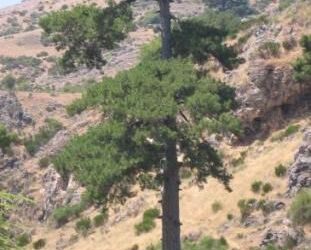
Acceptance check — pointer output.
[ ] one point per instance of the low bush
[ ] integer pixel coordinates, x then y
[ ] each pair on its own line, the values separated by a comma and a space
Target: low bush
44, 162
39, 244
229, 216
45, 133
62, 215
23, 240
256, 186
269, 49
216, 206
77, 107
100, 219
267, 187
207, 243
83, 226
300, 209
8, 82
290, 130
148, 222
280, 170
6, 138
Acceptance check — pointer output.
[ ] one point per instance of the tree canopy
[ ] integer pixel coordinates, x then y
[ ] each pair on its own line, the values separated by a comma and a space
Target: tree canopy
139, 104
85, 31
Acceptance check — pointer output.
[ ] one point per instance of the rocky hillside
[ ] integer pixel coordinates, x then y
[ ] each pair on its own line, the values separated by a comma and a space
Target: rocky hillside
270, 164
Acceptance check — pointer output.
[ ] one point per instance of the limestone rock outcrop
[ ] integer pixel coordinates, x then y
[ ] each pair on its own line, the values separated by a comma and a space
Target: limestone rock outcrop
12, 114
300, 171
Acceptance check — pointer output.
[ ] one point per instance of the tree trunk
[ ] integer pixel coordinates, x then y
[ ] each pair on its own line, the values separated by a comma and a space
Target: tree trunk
165, 17
170, 201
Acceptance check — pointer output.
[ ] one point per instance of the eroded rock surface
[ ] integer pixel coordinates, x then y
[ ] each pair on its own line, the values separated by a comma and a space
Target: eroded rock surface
12, 114
300, 171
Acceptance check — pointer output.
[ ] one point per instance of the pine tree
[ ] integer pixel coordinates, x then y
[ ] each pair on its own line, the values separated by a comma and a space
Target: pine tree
154, 112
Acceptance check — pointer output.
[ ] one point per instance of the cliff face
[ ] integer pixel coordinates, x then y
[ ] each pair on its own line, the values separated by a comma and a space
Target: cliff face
270, 97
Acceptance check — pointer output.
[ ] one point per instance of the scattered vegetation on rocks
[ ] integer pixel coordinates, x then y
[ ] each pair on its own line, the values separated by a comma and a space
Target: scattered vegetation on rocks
45, 133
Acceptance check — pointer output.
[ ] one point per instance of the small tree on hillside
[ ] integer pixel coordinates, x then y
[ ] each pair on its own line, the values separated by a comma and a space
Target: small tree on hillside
85, 31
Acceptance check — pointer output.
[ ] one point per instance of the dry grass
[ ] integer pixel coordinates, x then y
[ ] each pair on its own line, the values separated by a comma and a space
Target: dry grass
196, 211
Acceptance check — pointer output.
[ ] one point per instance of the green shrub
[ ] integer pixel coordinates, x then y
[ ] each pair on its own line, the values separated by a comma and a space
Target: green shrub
9, 82
77, 107
44, 162
290, 130
267, 187
207, 243
229, 216
100, 219
216, 206
23, 240
256, 186
300, 209
45, 133
83, 226
148, 222
269, 49
62, 215
6, 138
280, 170
39, 244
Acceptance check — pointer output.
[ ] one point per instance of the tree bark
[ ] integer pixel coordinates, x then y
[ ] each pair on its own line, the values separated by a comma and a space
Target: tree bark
170, 201
165, 17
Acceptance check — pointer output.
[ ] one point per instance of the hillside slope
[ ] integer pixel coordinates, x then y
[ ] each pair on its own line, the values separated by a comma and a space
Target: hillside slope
270, 102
